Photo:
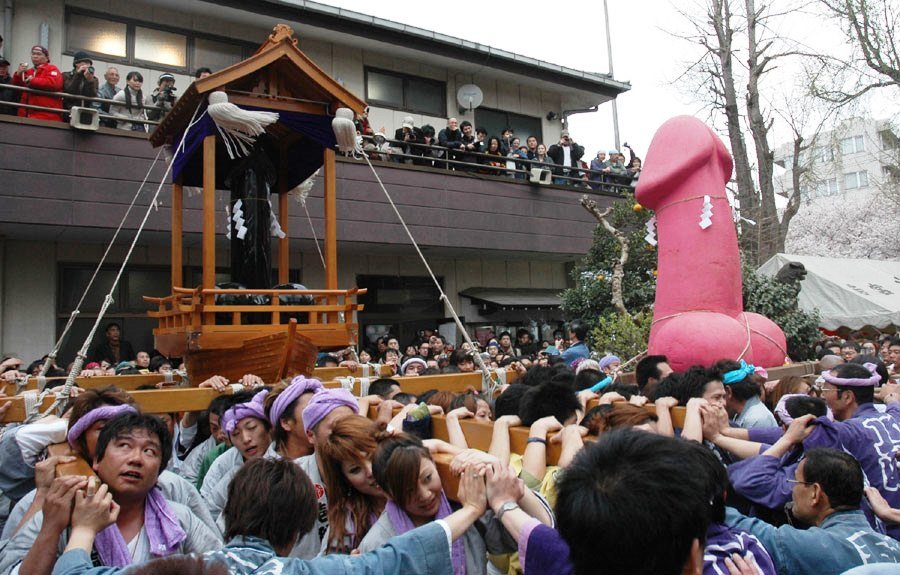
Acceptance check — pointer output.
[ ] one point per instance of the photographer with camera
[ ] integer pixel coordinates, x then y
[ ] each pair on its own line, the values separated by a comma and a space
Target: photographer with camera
80, 81
163, 96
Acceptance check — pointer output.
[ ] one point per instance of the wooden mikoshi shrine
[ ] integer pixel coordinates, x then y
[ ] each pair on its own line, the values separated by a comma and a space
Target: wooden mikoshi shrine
257, 329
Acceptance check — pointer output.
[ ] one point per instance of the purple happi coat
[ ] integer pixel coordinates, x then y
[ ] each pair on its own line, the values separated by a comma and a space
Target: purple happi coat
872, 437
723, 541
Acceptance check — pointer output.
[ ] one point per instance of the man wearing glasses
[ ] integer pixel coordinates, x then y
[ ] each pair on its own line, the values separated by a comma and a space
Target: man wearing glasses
827, 493
870, 436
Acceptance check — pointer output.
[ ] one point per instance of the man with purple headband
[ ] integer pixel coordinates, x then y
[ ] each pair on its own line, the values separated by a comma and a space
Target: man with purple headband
90, 412
872, 437
285, 407
248, 428
324, 408
131, 452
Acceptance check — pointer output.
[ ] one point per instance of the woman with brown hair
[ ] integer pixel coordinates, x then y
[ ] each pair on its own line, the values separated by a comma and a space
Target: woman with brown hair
355, 500
403, 467
790, 385
606, 418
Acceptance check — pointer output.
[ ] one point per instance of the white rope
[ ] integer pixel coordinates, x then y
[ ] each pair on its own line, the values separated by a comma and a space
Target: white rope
63, 396
315, 239
52, 355
490, 382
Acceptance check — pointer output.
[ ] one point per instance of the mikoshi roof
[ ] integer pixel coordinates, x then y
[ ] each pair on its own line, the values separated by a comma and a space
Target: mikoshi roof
851, 293
279, 76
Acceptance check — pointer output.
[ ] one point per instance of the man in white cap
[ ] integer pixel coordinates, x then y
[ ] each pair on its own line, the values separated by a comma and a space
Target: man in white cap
406, 137
413, 366
565, 154
163, 96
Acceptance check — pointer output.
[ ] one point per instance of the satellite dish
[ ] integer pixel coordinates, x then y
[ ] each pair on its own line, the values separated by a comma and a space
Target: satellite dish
469, 97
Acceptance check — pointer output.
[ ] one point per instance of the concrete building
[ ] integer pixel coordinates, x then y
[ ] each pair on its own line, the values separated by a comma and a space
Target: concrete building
65, 191
857, 157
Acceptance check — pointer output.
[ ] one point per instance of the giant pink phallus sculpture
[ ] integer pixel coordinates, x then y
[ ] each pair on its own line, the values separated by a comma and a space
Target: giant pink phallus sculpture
699, 314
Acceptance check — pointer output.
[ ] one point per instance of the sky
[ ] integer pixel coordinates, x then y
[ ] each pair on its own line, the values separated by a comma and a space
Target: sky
646, 51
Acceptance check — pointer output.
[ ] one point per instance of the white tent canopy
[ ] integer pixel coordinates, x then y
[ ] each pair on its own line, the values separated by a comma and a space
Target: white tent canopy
846, 292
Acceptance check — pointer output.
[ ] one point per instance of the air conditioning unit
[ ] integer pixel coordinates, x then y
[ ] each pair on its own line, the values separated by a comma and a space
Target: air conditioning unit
540, 176
82, 118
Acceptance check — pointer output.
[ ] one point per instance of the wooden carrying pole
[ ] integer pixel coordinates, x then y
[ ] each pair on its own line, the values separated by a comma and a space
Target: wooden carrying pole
209, 219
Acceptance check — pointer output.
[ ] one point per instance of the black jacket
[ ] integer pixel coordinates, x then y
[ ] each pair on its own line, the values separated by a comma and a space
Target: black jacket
575, 153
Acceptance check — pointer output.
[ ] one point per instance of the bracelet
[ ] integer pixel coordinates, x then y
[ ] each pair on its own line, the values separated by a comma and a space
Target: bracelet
537, 440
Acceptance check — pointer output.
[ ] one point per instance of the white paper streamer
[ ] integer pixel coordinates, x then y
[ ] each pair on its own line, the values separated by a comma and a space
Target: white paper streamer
706, 213
651, 231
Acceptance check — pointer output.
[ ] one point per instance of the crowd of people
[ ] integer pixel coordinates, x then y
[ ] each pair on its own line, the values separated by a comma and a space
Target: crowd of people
461, 146
129, 107
458, 146
794, 476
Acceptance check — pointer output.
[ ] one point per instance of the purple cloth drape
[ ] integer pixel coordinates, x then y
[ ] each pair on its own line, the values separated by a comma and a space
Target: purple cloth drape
304, 157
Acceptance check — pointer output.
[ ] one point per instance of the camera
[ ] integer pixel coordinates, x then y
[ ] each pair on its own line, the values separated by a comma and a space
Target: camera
168, 94
90, 69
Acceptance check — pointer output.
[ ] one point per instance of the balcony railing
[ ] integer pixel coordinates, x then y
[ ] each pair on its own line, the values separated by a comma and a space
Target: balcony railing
430, 156
66, 96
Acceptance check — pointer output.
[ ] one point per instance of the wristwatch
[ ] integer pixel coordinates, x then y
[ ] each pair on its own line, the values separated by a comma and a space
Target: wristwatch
508, 506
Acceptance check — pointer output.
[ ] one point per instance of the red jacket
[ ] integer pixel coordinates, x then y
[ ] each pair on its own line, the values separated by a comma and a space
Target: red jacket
44, 77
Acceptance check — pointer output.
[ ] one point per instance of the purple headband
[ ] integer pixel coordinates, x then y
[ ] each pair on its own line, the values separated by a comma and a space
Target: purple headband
93, 416
782, 412
606, 361
253, 408
299, 385
856, 381
324, 402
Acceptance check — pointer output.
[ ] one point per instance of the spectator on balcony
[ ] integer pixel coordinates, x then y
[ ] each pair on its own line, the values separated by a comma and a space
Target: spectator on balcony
470, 144
81, 81
451, 138
108, 90
410, 136
634, 170
428, 154
362, 124
202, 73
506, 140
540, 155
43, 76
566, 155
133, 104
481, 140
512, 152
618, 173
493, 148
532, 144
6, 95
163, 97
598, 164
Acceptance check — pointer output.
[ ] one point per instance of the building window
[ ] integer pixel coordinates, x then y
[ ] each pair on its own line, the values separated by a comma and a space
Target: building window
823, 154
889, 140
160, 47
856, 180
495, 121
216, 55
96, 36
853, 145
408, 93
827, 187
125, 41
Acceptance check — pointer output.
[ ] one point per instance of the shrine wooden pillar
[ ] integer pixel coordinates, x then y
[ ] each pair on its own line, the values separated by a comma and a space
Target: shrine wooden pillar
209, 221
177, 232
331, 271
